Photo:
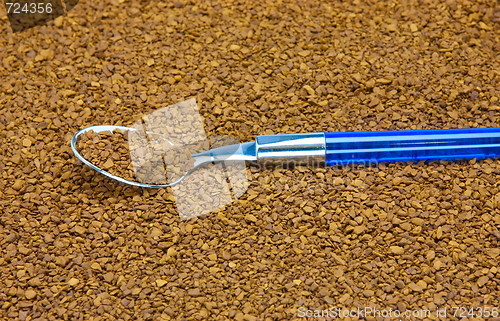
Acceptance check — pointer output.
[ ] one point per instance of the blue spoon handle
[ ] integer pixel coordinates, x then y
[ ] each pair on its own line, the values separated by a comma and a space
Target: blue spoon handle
411, 145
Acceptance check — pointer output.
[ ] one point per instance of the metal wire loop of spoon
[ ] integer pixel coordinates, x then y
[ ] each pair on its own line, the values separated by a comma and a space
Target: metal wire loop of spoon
245, 151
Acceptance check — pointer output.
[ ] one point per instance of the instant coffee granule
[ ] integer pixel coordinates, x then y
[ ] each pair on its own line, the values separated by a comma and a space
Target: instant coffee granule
76, 245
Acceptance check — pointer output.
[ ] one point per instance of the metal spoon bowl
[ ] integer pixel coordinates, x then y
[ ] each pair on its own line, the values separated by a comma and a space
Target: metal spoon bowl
244, 151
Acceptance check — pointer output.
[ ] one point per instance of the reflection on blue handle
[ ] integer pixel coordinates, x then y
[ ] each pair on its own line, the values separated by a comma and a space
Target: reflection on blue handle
411, 145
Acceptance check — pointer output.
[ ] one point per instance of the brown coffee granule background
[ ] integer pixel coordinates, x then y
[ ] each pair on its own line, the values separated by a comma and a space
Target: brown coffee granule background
78, 246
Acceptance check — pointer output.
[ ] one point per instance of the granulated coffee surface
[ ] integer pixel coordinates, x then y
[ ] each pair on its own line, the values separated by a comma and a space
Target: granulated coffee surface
76, 245
109, 151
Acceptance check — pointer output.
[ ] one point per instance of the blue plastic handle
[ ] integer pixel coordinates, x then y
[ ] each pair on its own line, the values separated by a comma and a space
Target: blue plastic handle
411, 145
